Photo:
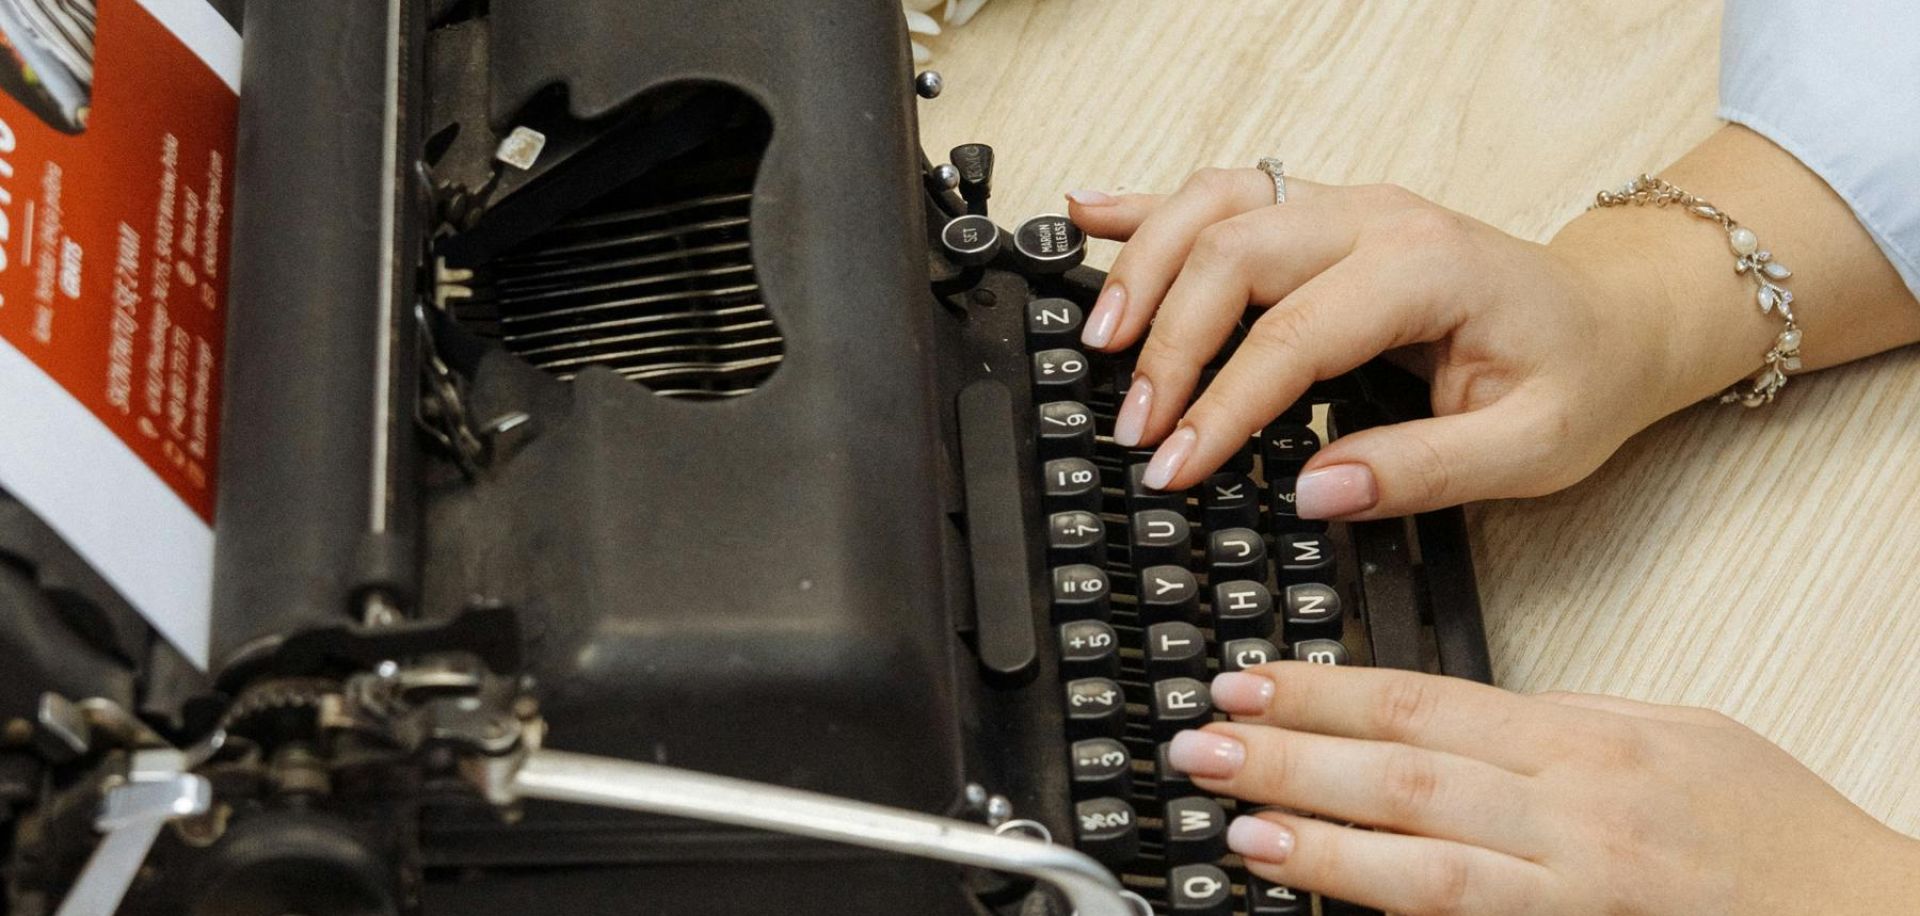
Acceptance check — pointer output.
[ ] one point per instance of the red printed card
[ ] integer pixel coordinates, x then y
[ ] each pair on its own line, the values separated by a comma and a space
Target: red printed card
117, 125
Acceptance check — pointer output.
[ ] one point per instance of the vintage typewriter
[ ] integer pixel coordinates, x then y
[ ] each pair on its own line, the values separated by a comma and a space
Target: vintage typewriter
652, 486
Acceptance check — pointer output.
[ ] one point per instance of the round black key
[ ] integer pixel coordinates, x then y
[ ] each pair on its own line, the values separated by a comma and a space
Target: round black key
1196, 829
1071, 483
1176, 649
1053, 323
1236, 553
1321, 652
1106, 829
1160, 537
1265, 898
1287, 446
971, 240
1304, 557
1242, 609
1066, 429
1280, 504
1241, 654
1089, 648
1199, 890
1060, 375
1080, 593
1312, 612
1167, 781
1049, 244
1168, 593
1096, 708
1179, 703
1141, 497
1077, 536
1229, 500
1101, 766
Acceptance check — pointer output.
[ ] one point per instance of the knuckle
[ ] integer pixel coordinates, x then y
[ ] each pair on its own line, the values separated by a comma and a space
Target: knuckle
1279, 335
1432, 474
1224, 242
1409, 784
1620, 747
1275, 771
1403, 707
1446, 885
1208, 181
1426, 229
1384, 196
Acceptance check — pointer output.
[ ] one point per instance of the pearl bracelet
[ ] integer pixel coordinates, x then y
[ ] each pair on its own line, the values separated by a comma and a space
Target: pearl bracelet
1752, 261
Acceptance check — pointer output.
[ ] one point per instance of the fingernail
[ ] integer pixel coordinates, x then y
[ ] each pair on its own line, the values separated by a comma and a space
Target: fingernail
1238, 693
1090, 198
1105, 318
1131, 424
1259, 838
1336, 491
1206, 755
1166, 461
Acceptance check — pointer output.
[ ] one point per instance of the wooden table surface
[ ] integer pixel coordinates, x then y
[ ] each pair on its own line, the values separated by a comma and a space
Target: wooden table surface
1759, 563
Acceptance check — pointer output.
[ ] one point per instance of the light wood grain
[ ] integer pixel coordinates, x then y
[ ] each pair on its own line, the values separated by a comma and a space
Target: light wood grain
1765, 564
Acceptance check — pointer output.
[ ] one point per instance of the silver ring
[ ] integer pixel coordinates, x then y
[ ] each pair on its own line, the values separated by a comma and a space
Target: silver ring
1277, 171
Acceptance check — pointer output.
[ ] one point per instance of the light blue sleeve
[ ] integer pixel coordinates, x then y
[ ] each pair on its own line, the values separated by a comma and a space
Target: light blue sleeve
1837, 84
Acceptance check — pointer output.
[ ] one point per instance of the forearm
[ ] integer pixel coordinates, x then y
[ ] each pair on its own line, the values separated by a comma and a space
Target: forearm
1848, 298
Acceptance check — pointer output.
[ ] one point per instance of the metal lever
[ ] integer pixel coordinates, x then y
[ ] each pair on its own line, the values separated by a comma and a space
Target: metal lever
131, 819
654, 789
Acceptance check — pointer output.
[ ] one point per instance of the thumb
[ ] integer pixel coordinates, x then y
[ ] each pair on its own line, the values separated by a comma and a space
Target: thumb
1499, 451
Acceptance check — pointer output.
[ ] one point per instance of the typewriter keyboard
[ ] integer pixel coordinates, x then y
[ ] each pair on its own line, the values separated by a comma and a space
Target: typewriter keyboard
1152, 593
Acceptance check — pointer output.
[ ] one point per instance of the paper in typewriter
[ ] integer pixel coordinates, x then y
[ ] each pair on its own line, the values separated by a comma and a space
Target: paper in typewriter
116, 154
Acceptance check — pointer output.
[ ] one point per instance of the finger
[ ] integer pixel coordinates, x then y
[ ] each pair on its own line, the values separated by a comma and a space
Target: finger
1259, 256
1110, 216
1621, 706
1411, 876
1509, 448
1364, 305
1438, 713
1159, 243
1394, 786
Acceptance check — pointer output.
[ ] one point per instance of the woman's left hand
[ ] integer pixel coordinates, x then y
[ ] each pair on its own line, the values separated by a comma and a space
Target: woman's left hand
1490, 802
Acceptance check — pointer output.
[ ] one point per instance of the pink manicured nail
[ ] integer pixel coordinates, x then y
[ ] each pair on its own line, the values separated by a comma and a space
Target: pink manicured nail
1105, 318
1131, 424
1090, 198
1238, 693
1171, 455
1336, 491
1206, 755
1258, 838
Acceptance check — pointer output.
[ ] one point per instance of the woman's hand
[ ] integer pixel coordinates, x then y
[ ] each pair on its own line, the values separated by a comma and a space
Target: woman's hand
1498, 803
1538, 375
1543, 358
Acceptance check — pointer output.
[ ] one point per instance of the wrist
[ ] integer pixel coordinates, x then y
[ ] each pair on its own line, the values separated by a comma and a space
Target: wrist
1670, 276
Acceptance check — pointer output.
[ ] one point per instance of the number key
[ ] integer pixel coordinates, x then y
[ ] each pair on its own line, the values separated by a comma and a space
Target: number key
1066, 429
1060, 374
1071, 483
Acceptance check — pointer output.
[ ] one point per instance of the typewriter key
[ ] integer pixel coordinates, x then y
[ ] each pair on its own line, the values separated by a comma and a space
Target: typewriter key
1265, 898
1071, 483
1066, 429
1053, 323
1080, 593
1176, 649
1199, 890
1101, 766
1312, 612
1236, 553
1242, 609
1089, 648
1179, 703
1060, 375
1321, 652
1241, 654
1168, 593
1304, 557
1229, 500
1049, 244
1160, 537
1196, 829
970, 240
1096, 708
1106, 829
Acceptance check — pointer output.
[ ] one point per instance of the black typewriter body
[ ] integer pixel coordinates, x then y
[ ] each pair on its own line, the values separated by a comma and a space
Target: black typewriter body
617, 377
